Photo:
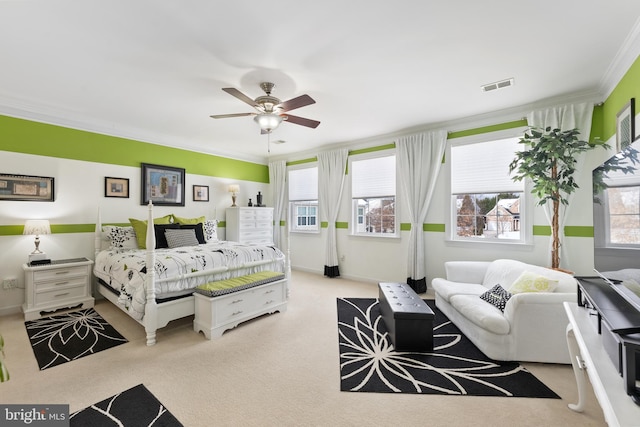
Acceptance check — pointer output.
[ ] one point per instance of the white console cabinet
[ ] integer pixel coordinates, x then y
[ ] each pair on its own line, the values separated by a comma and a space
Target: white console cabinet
250, 225
61, 284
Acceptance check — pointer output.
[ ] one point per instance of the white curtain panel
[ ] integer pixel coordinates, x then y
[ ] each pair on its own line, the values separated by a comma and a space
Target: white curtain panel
277, 178
331, 174
565, 117
419, 158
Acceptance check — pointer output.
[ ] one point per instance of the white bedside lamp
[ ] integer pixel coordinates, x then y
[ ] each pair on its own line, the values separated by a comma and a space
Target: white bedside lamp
234, 189
37, 227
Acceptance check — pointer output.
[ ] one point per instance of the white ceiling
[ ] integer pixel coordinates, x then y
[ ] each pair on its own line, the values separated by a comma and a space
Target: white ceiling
153, 70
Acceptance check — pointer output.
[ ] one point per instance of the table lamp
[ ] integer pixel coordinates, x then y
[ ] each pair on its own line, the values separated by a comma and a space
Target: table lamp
36, 227
234, 189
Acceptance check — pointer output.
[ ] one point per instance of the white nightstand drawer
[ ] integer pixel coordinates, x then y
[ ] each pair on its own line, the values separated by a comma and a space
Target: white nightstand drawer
59, 295
57, 273
59, 283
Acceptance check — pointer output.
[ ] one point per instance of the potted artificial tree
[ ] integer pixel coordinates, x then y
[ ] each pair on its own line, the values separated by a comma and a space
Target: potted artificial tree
550, 163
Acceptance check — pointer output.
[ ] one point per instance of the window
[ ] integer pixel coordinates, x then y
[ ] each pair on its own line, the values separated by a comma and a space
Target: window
303, 199
486, 203
623, 216
373, 193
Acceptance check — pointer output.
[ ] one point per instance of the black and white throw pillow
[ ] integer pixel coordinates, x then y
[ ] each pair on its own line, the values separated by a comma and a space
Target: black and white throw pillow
497, 296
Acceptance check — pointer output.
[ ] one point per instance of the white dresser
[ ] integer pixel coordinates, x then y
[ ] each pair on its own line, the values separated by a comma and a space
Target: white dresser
61, 284
250, 225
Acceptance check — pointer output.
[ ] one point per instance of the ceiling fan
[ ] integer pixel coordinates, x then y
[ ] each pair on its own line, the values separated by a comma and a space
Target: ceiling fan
270, 109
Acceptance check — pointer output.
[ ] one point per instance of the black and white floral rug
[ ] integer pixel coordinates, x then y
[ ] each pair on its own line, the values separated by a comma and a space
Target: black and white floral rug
61, 338
369, 363
136, 407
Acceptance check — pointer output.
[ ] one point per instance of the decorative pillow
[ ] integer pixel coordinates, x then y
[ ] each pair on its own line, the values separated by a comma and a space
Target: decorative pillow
532, 282
161, 240
211, 230
497, 296
140, 227
180, 238
197, 228
188, 220
121, 237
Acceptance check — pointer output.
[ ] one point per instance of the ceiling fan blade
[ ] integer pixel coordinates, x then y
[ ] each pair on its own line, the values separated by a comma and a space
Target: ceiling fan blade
241, 96
300, 101
302, 121
225, 116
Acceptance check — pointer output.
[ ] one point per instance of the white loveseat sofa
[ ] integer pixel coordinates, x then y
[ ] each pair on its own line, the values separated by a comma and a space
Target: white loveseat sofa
533, 324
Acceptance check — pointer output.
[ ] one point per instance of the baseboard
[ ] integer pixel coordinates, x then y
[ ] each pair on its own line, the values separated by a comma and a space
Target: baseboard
5, 311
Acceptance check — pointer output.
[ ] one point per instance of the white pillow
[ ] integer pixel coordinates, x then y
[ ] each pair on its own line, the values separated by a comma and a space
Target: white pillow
120, 237
532, 282
210, 230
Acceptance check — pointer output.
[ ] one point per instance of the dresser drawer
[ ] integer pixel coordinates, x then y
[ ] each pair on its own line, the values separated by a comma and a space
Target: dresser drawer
58, 273
62, 294
270, 294
230, 307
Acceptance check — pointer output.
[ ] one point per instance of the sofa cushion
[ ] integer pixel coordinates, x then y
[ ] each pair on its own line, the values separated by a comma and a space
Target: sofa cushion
480, 313
496, 296
503, 272
446, 289
529, 281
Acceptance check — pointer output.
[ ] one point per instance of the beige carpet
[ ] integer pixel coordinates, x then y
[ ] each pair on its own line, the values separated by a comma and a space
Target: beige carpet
278, 370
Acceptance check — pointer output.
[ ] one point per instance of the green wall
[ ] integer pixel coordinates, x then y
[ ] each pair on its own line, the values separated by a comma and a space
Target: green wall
24, 136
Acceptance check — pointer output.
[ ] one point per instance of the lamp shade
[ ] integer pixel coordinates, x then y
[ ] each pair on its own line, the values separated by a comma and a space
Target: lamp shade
234, 188
36, 227
268, 121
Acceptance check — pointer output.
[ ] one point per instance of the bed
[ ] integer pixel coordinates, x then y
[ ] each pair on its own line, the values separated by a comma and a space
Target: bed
154, 297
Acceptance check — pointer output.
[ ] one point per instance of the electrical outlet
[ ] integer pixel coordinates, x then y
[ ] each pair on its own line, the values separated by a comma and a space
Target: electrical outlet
342, 257
10, 283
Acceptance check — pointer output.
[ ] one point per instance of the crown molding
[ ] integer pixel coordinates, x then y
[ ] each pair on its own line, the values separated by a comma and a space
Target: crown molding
622, 61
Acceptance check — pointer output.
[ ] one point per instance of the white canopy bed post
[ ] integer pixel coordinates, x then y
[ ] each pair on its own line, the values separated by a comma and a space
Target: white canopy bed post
97, 236
151, 310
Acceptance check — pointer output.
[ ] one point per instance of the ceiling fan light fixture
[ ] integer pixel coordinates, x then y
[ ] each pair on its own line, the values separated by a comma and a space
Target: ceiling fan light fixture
268, 121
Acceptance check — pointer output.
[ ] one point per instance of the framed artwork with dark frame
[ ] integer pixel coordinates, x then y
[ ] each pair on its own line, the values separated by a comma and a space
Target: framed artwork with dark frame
200, 193
25, 187
116, 187
163, 185
625, 125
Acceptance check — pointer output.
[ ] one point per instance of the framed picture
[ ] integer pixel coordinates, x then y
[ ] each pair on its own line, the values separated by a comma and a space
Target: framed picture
200, 193
23, 187
625, 125
116, 187
163, 185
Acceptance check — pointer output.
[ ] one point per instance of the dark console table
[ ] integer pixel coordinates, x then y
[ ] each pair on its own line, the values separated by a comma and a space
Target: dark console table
604, 342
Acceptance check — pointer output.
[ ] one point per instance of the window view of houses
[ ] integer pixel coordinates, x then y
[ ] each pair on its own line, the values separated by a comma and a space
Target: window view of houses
488, 215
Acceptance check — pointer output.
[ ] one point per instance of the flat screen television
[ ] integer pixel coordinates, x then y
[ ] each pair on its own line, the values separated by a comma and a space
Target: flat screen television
616, 222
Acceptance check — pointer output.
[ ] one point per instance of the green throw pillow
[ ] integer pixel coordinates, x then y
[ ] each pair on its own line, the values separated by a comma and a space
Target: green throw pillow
198, 220
532, 282
140, 227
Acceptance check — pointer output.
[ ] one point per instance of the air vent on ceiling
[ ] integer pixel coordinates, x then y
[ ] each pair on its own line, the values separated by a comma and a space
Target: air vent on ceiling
497, 85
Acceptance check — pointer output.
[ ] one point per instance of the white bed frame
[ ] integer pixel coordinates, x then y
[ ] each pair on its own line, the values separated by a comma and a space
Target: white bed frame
158, 315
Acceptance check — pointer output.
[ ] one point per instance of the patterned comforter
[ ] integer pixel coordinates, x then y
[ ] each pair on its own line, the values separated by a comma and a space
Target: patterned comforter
125, 270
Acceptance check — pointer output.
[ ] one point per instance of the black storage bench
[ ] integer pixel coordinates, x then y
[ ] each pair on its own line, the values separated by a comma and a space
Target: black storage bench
408, 318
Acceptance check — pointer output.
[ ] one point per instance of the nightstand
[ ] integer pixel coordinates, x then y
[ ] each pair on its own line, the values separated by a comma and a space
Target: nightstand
64, 283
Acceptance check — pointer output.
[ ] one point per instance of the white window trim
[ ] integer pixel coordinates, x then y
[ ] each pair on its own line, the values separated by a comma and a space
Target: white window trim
290, 214
607, 228
527, 202
352, 223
